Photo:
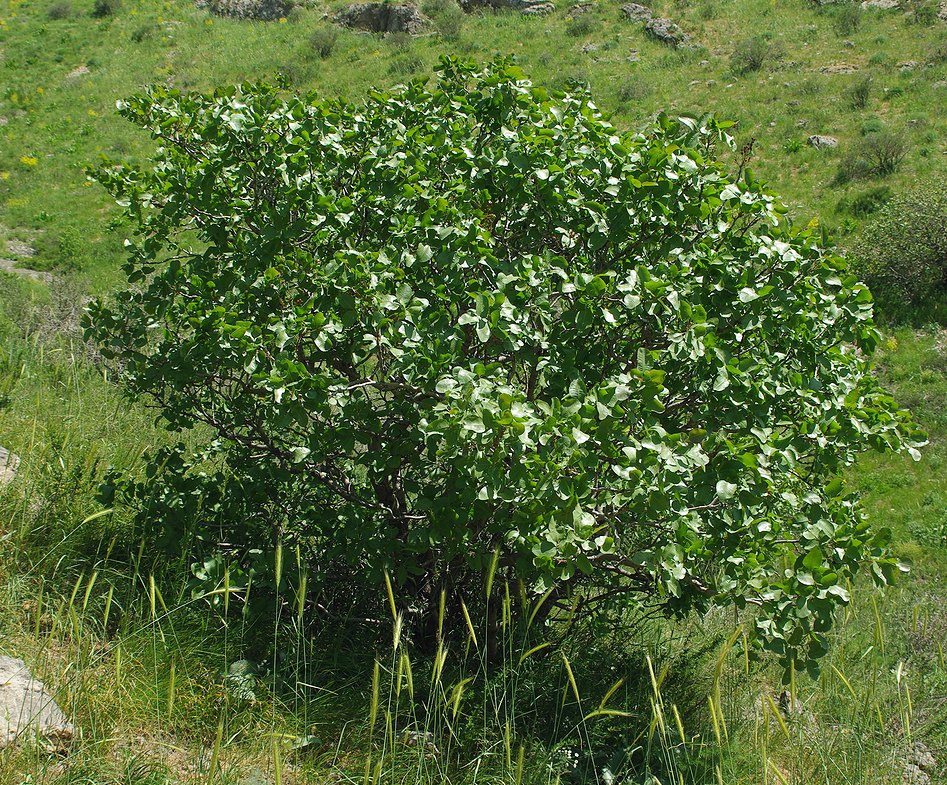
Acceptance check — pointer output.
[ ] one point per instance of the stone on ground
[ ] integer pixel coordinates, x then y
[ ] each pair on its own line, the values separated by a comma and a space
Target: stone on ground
382, 18
27, 709
667, 32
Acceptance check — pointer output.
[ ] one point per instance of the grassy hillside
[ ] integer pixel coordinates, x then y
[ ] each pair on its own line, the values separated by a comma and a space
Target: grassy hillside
166, 690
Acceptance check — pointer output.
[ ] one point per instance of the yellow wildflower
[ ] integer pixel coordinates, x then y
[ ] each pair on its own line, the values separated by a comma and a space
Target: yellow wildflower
4, 175
29, 160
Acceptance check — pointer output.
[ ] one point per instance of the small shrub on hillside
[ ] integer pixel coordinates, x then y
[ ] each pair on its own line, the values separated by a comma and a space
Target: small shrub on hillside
866, 203
925, 12
938, 53
105, 8
884, 152
752, 54
792, 146
708, 10
632, 89
872, 125
322, 41
859, 93
876, 155
902, 255
406, 64
878, 58
582, 25
60, 10
448, 17
143, 33
846, 19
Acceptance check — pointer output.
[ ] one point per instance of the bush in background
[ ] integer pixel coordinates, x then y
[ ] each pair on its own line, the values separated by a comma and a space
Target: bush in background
106, 8
876, 155
60, 10
322, 41
752, 54
902, 255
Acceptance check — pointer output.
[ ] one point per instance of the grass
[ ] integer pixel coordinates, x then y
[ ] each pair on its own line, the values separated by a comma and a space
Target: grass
170, 687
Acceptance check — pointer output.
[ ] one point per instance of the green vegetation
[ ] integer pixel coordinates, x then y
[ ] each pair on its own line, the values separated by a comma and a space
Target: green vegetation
239, 670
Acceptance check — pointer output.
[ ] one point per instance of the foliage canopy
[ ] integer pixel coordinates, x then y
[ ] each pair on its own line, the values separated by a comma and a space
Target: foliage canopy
475, 318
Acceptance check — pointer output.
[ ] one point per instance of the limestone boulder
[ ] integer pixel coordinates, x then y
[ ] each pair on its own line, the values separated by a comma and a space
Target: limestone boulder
27, 709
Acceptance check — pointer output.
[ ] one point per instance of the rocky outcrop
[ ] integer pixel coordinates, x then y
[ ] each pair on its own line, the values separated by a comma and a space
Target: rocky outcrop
820, 142
27, 708
266, 10
635, 12
881, 5
382, 18
667, 32
9, 464
525, 7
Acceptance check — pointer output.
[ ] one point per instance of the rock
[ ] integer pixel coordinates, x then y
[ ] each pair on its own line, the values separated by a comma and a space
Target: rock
634, 56
27, 708
802, 123
535, 7
525, 7
78, 71
909, 65
942, 15
914, 775
591, 47
9, 266
382, 18
882, 5
266, 10
667, 32
921, 756
940, 84
635, 12
839, 68
9, 464
19, 248
820, 142
580, 8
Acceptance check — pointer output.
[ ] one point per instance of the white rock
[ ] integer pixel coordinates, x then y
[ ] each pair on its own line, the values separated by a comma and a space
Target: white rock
26, 708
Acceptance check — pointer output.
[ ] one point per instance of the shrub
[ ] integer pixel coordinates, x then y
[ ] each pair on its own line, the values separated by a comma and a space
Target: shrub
145, 32
633, 89
582, 25
902, 255
406, 64
884, 153
846, 19
751, 54
866, 203
859, 93
447, 15
322, 41
458, 336
925, 12
105, 8
872, 125
60, 10
877, 155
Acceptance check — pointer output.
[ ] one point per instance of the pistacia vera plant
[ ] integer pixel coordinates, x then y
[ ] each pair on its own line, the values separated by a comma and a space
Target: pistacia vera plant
474, 318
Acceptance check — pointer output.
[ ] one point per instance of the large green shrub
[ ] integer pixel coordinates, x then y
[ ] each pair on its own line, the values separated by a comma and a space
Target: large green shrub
475, 319
902, 254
